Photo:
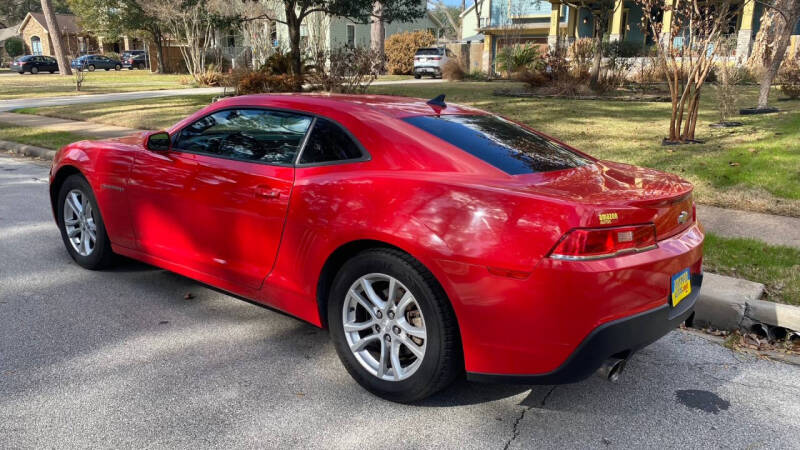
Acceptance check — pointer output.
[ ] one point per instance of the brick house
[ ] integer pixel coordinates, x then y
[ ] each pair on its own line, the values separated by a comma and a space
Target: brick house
33, 31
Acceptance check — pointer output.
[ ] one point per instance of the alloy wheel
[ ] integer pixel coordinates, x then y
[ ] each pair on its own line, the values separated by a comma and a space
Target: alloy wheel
384, 327
79, 222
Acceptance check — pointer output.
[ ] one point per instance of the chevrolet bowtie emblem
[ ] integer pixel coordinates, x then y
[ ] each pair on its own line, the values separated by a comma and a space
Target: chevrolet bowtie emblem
683, 217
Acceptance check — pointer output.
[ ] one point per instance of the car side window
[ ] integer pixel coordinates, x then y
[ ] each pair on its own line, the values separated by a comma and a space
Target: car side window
254, 135
328, 142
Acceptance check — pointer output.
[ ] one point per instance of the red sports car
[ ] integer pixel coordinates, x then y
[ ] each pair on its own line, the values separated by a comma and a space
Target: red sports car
430, 239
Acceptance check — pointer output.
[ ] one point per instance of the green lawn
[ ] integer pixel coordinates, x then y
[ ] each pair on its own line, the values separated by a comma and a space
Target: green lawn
98, 82
38, 137
754, 167
778, 268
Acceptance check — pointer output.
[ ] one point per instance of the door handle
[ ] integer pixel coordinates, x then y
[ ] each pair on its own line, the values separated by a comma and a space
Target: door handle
267, 192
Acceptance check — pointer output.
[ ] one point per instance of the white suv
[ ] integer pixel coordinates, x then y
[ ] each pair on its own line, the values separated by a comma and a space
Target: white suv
429, 61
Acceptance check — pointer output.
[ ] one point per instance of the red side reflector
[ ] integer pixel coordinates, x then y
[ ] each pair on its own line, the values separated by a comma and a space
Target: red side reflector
598, 243
519, 275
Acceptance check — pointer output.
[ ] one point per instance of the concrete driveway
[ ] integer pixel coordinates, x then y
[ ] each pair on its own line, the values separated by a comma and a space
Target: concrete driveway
122, 358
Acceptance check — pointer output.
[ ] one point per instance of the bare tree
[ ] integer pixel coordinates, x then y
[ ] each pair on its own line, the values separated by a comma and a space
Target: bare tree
55, 37
446, 11
774, 35
700, 25
189, 22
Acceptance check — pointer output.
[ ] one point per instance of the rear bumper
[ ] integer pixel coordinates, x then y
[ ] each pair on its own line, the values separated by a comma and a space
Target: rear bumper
18, 69
619, 338
422, 70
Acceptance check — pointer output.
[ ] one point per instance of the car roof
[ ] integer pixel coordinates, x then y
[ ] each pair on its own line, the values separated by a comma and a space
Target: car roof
389, 105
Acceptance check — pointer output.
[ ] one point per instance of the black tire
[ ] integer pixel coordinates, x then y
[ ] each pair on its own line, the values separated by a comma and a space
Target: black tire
52, 71
34, 70
91, 68
442, 361
117, 67
101, 256
417, 76
107, 69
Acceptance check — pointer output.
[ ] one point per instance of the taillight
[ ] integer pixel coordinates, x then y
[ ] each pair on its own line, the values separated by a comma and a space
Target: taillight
598, 243
694, 212
436, 58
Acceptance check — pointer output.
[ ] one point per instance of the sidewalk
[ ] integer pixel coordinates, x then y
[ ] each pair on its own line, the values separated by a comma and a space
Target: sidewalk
90, 129
8, 105
774, 230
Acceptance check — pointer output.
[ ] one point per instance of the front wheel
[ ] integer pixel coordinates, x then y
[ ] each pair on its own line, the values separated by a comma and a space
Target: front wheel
417, 76
91, 68
82, 228
34, 70
117, 67
393, 327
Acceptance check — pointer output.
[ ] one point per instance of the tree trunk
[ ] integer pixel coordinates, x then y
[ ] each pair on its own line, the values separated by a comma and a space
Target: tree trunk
594, 80
771, 43
378, 34
293, 23
55, 38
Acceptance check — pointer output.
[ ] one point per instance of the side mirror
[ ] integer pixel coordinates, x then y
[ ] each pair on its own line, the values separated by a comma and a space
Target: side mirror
158, 141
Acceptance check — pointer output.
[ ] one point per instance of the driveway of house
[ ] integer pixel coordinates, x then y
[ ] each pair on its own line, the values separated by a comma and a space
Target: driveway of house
125, 358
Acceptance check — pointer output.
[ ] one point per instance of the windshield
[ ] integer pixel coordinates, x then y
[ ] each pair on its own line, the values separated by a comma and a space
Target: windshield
429, 52
501, 143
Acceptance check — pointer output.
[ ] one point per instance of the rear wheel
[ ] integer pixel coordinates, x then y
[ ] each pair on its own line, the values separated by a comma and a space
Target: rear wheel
117, 67
417, 76
393, 327
82, 228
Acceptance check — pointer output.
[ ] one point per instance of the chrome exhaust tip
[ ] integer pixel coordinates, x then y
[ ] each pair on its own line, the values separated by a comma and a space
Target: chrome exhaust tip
611, 369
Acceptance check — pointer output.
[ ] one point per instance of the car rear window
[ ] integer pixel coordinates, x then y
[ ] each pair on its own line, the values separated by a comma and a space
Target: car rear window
429, 52
501, 143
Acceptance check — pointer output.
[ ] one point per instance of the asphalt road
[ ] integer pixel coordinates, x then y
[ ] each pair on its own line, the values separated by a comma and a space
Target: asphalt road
122, 359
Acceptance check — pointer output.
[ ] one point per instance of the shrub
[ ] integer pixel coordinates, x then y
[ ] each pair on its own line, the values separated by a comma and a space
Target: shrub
453, 70
113, 55
401, 47
622, 49
345, 69
515, 58
278, 63
727, 93
533, 78
259, 82
476, 75
14, 47
789, 79
212, 77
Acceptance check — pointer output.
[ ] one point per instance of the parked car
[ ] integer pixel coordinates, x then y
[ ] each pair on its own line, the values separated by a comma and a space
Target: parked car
34, 64
138, 61
93, 62
430, 61
429, 239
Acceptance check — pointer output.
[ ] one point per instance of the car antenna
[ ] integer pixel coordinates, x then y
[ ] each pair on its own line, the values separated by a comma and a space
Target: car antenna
437, 104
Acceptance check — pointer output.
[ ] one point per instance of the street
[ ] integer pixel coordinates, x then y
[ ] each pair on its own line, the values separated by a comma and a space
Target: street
140, 357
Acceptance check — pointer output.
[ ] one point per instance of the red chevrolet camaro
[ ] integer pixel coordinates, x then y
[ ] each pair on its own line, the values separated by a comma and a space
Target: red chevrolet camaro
430, 239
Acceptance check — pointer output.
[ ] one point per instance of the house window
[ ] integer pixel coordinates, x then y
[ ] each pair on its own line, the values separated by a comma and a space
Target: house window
273, 33
484, 22
36, 45
351, 35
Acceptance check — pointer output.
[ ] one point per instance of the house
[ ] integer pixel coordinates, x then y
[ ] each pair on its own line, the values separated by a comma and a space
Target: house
77, 41
325, 32
5, 34
33, 31
506, 22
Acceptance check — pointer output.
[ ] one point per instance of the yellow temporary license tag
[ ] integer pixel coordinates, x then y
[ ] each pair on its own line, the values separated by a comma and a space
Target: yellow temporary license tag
681, 286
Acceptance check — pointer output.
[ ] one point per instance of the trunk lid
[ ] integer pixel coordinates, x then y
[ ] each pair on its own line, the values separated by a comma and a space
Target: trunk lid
611, 194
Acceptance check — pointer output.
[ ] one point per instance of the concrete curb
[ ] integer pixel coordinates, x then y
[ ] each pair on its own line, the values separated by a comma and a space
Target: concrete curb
28, 150
727, 303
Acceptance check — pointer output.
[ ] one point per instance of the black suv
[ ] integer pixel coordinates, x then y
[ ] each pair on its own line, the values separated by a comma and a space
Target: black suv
34, 64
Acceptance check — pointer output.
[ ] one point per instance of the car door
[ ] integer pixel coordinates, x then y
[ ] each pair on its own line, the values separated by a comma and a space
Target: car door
240, 189
50, 64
